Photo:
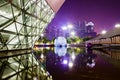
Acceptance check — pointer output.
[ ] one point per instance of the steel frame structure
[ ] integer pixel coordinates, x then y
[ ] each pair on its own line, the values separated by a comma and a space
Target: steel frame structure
21, 23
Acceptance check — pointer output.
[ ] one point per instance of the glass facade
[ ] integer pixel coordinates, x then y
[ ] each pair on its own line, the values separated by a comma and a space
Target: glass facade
22, 21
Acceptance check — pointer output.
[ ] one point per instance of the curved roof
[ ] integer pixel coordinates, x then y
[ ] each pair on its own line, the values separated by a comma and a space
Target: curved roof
111, 33
55, 4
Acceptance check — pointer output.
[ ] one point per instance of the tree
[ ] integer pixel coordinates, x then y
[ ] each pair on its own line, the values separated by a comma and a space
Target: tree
87, 38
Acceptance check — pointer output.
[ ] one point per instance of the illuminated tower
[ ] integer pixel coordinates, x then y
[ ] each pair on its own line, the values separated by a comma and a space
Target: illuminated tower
89, 27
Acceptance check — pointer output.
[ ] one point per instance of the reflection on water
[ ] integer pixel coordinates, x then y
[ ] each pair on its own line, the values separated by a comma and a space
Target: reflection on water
90, 58
113, 53
80, 64
112, 56
61, 51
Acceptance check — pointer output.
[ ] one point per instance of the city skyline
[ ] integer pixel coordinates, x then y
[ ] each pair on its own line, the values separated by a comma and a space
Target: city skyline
80, 29
103, 13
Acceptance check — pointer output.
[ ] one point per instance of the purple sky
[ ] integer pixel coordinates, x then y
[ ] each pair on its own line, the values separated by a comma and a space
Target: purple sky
103, 13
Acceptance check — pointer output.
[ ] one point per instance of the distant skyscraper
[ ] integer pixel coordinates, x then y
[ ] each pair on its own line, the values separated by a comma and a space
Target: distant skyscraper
53, 32
83, 26
84, 29
89, 27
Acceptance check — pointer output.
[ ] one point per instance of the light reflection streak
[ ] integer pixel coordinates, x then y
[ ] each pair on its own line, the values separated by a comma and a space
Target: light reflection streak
70, 64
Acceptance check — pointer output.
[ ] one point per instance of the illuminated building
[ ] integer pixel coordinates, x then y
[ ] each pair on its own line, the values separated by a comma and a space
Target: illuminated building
22, 21
84, 29
21, 24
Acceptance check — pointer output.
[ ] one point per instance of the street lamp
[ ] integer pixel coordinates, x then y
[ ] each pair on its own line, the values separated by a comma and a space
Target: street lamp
70, 26
72, 33
67, 29
103, 32
117, 25
42, 35
64, 28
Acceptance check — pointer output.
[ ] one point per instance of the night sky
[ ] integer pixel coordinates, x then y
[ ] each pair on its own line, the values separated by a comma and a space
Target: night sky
103, 13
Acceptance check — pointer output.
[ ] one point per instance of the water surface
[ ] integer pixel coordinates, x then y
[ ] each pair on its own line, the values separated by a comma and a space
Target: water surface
81, 64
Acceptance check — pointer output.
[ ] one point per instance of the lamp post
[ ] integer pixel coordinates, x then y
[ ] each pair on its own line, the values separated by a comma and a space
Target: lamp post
116, 38
41, 36
64, 28
103, 32
73, 33
117, 26
68, 27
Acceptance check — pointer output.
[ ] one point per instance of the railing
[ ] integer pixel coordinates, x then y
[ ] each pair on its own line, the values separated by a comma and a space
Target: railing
113, 41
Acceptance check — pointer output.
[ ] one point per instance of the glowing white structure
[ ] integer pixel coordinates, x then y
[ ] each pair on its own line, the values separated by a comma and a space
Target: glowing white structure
60, 46
61, 51
60, 42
